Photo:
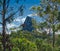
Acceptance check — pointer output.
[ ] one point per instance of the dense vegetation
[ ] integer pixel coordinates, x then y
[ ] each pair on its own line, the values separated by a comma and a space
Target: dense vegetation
30, 41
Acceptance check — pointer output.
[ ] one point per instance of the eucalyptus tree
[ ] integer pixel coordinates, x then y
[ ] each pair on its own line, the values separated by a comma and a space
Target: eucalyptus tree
8, 11
48, 10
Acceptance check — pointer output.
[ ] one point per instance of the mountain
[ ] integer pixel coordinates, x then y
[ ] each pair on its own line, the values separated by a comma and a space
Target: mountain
28, 24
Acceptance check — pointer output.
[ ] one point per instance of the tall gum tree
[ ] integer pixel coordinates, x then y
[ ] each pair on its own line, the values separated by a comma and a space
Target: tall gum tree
49, 8
8, 10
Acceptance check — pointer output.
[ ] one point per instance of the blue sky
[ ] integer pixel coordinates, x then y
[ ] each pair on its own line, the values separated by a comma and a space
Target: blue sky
20, 19
28, 4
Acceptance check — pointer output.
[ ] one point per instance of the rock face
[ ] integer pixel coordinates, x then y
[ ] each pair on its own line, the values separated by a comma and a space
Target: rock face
28, 24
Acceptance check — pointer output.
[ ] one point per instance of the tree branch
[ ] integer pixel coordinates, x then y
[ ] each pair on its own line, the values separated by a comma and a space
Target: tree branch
19, 9
11, 15
7, 4
1, 12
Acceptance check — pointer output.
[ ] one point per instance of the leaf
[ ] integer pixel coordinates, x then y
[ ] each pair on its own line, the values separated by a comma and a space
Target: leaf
33, 8
47, 9
58, 1
39, 8
40, 14
58, 26
53, 0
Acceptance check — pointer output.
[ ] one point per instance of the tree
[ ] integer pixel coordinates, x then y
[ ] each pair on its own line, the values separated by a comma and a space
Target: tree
22, 44
48, 11
7, 13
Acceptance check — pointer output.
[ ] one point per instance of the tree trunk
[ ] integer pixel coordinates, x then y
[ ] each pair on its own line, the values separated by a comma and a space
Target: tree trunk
3, 27
53, 35
4, 38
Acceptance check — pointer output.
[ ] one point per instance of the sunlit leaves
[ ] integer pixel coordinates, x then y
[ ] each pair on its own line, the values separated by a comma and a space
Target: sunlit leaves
48, 10
53, 0
51, 9
33, 8
24, 44
39, 8
34, 24
43, 24
50, 18
58, 26
56, 1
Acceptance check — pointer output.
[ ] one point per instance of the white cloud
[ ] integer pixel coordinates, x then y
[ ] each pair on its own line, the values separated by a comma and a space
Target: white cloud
32, 15
10, 25
0, 26
17, 20
20, 20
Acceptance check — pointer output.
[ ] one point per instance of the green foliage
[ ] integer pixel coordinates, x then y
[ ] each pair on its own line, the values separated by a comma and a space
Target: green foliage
33, 8
48, 9
24, 45
52, 13
35, 25
26, 41
43, 46
58, 41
